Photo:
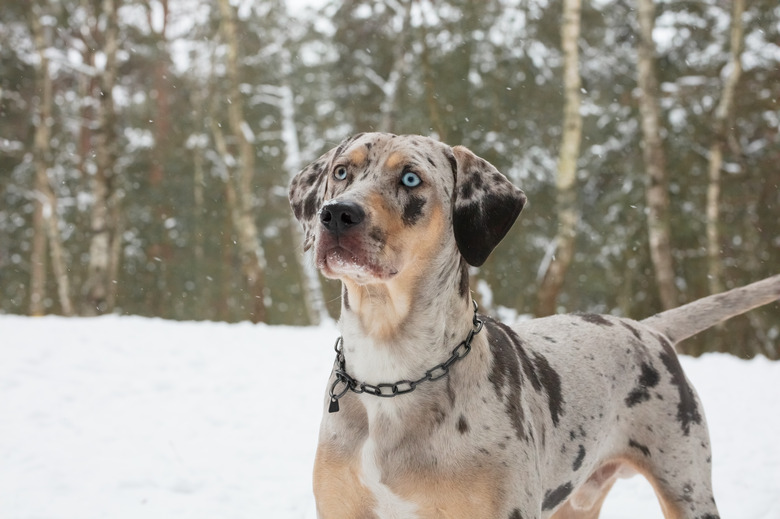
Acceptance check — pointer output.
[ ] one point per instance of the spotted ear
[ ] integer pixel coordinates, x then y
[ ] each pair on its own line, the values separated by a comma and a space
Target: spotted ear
307, 190
486, 205
306, 194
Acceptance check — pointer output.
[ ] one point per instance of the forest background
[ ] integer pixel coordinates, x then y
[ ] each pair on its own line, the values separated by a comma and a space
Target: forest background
146, 147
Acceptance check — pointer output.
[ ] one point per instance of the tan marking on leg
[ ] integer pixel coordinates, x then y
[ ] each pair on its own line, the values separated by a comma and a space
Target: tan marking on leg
476, 494
586, 501
338, 492
669, 507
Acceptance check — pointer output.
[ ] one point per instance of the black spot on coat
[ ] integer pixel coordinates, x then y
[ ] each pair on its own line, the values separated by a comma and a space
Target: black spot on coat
578, 460
551, 382
631, 329
463, 425
413, 210
687, 408
595, 319
507, 349
378, 235
648, 378
506, 373
553, 498
311, 205
641, 448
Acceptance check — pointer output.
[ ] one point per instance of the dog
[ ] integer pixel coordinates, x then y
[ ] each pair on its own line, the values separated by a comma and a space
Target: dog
436, 411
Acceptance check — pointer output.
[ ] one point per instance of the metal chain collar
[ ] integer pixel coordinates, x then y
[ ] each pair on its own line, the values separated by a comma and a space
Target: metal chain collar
389, 390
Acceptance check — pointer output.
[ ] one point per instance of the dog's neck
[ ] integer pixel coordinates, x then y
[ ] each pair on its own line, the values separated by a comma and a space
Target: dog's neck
397, 330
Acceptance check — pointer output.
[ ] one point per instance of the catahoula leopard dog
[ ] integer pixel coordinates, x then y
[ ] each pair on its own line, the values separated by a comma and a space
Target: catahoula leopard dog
435, 411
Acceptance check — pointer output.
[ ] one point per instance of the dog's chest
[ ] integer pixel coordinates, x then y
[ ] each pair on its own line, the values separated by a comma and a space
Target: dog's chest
387, 502
408, 479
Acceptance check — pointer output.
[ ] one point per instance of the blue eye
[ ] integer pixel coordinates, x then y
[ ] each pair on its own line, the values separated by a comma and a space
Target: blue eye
410, 179
340, 173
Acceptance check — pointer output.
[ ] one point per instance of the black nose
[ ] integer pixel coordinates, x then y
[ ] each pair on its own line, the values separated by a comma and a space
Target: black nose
339, 217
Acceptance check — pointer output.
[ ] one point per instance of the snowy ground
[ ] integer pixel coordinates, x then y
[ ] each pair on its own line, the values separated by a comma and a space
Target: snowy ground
126, 417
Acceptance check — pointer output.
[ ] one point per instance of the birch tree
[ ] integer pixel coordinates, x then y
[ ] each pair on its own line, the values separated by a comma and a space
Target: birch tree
45, 219
566, 196
239, 184
282, 97
401, 60
103, 262
723, 114
654, 158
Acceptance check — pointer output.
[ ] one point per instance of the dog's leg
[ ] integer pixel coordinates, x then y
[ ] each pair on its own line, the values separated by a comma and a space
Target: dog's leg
685, 491
679, 469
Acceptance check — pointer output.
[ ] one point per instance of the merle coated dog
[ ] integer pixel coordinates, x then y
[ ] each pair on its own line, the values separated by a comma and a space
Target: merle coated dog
436, 411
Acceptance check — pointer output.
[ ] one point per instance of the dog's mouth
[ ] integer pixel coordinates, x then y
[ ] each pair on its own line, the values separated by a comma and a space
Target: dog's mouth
337, 261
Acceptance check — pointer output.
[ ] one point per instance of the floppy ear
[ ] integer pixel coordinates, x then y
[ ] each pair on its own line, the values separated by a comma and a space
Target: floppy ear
485, 207
307, 190
306, 193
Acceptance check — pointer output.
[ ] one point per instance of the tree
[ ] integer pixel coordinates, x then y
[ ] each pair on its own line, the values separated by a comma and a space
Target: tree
723, 114
654, 157
313, 298
203, 143
239, 184
562, 247
401, 59
46, 218
104, 218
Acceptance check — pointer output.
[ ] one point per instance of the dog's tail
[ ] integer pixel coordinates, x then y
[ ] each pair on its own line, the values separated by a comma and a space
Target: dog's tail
687, 320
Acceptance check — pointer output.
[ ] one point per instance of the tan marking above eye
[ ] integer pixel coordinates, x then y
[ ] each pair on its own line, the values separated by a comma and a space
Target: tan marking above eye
394, 160
358, 156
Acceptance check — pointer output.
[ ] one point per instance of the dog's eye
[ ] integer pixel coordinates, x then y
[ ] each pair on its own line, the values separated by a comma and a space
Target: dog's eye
340, 173
410, 179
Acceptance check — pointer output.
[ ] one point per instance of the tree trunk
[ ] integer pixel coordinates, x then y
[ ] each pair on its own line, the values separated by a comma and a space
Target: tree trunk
159, 242
723, 113
40, 159
429, 83
389, 105
205, 305
657, 192
250, 251
38, 257
313, 298
102, 218
162, 124
566, 197
252, 256
45, 217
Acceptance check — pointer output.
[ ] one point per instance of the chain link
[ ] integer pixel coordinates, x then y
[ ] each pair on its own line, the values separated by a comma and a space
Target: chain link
402, 387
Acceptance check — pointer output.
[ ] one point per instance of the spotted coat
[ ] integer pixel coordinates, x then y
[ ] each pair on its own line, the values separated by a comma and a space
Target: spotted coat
540, 418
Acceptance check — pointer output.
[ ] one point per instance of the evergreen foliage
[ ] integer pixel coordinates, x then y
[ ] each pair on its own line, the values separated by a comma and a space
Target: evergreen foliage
487, 75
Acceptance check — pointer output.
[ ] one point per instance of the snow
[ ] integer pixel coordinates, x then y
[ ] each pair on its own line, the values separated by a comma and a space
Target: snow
128, 417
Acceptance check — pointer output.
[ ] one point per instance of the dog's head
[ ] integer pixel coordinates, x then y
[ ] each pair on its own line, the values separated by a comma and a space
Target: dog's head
378, 204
